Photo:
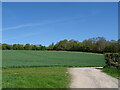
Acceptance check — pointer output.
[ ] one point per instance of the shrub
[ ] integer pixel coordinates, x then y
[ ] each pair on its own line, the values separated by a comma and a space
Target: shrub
112, 59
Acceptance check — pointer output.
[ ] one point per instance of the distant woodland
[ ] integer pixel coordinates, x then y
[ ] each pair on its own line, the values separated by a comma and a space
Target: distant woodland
95, 45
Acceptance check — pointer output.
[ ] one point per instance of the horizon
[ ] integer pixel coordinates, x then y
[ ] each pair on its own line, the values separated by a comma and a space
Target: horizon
44, 23
53, 42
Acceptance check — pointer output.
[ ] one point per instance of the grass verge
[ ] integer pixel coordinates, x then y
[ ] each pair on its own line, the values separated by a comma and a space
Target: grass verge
112, 71
39, 77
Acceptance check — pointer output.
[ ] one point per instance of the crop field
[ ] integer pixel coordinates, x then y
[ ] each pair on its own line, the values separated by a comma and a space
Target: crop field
40, 77
22, 58
37, 68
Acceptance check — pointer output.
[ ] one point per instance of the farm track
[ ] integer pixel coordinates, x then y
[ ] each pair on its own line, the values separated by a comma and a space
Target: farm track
91, 77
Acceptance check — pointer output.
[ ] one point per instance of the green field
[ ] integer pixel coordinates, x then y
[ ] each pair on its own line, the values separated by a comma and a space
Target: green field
22, 58
41, 77
36, 67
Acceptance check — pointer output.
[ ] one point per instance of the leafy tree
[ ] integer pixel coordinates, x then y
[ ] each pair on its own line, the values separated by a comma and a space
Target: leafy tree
34, 47
50, 47
97, 45
20, 47
15, 47
72, 45
62, 45
27, 47
111, 47
43, 48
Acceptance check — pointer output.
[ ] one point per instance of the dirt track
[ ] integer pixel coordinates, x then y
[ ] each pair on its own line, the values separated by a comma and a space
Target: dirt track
91, 77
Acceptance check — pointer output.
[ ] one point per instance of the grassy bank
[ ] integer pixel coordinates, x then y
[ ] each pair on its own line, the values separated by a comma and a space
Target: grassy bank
43, 77
112, 71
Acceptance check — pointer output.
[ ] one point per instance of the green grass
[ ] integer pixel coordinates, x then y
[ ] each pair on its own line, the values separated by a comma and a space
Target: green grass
37, 74
26, 58
41, 77
112, 71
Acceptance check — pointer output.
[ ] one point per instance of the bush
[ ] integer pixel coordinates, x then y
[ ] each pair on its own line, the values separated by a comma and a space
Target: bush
112, 59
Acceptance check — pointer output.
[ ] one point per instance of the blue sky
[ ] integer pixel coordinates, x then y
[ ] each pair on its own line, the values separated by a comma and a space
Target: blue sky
44, 23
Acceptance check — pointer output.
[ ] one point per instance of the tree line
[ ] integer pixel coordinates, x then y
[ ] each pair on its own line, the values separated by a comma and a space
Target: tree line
95, 45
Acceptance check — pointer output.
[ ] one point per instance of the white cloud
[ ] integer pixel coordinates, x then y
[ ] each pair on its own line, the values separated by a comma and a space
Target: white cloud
40, 24
23, 26
93, 12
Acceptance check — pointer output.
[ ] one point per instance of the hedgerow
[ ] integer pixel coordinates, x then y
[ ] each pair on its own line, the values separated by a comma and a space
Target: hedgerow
112, 59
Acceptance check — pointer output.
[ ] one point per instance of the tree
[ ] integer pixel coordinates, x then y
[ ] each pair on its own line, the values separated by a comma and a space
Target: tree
50, 47
6, 47
61, 45
87, 45
15, 47
34, 47
111, 47
20, 47
27, 47
9, 47
98, 44
43, 48
72, 45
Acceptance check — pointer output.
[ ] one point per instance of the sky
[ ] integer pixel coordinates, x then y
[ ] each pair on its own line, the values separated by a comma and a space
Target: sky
44, 23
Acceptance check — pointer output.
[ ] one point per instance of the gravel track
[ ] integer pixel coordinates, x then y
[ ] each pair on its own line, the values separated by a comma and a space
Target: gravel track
91, 77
